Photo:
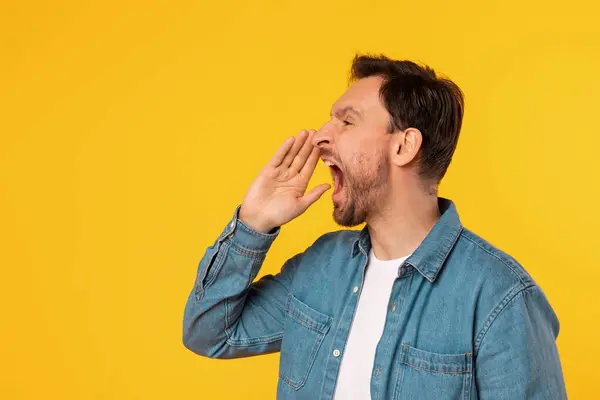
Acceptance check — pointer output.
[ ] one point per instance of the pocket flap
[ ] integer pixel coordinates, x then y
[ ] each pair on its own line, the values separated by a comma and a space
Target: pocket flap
308, 316
434, 362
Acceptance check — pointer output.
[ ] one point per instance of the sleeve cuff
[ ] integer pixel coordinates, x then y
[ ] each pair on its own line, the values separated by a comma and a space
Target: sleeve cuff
244, 236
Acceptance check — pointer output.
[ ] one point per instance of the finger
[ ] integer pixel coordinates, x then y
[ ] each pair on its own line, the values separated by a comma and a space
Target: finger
309, 198
298, 143
304, 153
279, 155
311, 162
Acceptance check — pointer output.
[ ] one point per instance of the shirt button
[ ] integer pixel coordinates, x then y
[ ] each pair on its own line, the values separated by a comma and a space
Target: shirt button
336, 353
355, 289
393, 306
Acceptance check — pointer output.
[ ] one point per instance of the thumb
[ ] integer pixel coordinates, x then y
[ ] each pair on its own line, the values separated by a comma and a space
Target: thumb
309, 198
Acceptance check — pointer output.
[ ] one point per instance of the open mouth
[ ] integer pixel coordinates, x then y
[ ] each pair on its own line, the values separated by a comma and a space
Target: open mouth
338, 176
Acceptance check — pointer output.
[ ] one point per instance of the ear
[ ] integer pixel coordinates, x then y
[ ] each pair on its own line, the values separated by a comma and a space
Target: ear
405, 146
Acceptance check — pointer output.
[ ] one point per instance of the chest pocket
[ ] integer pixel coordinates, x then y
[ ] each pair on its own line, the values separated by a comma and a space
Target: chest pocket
303, 332
425, 375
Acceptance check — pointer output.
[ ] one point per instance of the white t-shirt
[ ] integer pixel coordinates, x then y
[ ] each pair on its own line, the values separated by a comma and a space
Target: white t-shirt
354, 379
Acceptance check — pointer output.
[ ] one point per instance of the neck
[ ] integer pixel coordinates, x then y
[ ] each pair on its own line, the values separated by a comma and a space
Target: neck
400, 225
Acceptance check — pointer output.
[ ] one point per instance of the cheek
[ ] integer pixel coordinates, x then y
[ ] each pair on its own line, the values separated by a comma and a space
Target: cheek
361, 155
359, 169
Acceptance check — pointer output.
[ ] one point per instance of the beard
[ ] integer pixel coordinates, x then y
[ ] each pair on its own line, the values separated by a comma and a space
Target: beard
364, 188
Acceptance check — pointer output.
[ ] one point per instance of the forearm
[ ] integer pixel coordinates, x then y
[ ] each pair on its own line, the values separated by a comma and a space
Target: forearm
211, 324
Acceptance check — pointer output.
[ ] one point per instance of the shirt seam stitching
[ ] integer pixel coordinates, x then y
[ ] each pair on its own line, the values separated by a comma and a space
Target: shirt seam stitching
245, 251
499, 259
503, 305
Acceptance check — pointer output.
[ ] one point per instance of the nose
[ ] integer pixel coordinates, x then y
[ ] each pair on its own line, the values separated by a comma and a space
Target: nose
322, 137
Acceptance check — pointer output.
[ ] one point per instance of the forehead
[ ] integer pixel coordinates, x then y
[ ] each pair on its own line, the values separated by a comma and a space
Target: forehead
362, 95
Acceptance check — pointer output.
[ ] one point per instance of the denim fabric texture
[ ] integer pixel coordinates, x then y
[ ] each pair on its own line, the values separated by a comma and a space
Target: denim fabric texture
465, 320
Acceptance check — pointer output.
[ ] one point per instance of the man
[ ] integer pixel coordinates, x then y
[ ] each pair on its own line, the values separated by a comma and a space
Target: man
413, 306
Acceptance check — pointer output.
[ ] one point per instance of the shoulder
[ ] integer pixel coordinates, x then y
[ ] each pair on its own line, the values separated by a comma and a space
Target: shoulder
498, 281
484, 259
340, 239
330, 247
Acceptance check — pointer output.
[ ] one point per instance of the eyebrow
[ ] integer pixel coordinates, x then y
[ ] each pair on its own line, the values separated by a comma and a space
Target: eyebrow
344, 110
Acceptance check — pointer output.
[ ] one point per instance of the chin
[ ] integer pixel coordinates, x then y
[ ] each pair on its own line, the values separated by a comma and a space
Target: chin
347, 215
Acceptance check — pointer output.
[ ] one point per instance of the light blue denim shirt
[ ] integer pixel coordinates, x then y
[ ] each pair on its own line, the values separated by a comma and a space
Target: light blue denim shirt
464, 320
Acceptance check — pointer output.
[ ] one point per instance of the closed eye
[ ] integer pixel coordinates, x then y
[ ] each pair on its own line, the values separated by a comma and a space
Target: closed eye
346, 122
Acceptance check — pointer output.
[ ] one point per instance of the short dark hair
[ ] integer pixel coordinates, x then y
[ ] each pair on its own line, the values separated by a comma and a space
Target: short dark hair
416, 97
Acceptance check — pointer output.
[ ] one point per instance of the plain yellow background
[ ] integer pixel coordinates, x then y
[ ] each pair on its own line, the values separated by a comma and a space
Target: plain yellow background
131, 130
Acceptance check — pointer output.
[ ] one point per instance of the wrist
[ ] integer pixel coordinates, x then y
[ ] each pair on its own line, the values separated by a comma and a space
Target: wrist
253, 223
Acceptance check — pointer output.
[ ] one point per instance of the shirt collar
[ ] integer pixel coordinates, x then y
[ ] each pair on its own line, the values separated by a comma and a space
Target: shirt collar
433, 251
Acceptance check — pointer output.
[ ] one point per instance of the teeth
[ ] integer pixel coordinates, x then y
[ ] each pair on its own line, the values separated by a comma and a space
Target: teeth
328, 163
